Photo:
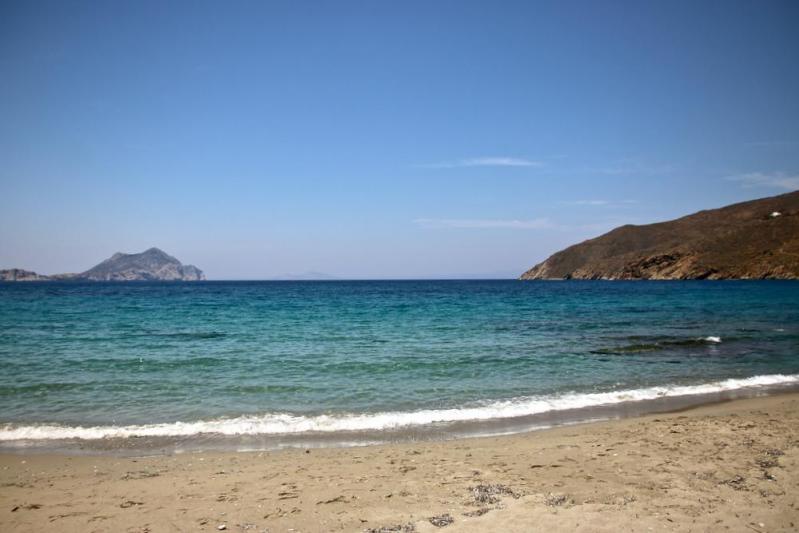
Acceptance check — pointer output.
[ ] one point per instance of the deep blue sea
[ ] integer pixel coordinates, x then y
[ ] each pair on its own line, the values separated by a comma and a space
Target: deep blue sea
296, 358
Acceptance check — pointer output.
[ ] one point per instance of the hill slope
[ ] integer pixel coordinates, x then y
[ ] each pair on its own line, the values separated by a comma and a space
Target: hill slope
746, 240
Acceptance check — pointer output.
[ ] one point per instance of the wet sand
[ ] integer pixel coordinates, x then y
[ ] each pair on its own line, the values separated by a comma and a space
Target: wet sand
723, 467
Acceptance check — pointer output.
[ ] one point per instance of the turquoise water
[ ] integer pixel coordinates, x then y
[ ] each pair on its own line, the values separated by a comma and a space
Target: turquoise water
282, 357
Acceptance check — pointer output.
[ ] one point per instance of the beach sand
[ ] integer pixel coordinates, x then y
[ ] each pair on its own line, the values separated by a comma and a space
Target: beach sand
723, 467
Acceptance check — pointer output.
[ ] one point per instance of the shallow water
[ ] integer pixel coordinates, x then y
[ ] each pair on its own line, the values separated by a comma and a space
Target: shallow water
280, 358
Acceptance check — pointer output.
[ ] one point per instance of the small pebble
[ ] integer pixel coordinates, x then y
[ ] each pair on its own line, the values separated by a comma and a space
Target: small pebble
221, 527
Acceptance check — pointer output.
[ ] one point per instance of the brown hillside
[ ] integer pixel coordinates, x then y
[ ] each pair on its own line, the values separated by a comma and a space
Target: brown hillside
743, 241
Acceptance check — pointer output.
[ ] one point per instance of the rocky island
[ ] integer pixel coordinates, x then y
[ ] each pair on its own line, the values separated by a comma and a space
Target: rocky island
150, 265
758, 239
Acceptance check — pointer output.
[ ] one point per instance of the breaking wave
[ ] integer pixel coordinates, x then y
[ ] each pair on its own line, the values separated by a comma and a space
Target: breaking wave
284, 423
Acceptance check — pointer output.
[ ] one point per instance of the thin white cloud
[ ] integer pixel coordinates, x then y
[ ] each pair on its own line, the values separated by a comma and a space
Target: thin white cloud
774, 180
633, 166
605, 203
595, 228
486, 162
587, 202
591, 202
482, 223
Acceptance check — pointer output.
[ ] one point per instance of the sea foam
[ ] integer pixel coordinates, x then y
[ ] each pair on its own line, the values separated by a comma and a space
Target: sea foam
283, 423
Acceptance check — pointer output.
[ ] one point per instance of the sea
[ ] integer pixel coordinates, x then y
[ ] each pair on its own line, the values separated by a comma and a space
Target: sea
170, 367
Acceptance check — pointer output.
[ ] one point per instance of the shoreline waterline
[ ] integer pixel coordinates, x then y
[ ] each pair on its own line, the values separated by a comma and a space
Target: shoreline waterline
239, 436
719, 466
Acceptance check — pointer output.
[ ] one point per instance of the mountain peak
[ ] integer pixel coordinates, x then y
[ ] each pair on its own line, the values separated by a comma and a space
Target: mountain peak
151, 264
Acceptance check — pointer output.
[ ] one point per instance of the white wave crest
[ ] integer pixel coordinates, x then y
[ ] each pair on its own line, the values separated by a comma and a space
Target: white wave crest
712, 339
282, 423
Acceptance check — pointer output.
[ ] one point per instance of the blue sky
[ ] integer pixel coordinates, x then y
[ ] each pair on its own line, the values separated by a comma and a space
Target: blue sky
381, 139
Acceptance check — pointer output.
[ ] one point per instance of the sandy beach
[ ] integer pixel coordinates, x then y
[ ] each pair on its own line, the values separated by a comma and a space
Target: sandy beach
723, 467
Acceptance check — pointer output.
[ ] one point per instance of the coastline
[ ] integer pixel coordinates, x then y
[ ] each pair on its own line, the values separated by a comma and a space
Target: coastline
729, 465
273, 432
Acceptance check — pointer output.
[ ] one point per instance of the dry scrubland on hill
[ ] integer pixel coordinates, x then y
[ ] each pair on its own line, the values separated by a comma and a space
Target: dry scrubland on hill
751, 240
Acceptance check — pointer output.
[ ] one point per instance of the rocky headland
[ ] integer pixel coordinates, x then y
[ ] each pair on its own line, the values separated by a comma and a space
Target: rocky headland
758, 239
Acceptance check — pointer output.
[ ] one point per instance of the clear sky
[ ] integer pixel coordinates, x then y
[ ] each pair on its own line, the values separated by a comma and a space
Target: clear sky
381, 139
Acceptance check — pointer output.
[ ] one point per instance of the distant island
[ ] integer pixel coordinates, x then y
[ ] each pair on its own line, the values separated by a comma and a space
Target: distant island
150, 265
758, 239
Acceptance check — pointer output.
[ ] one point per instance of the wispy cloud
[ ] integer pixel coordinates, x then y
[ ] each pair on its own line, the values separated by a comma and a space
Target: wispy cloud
633, 166
486, 162
597, 227
604, 203
774, 180
483, 223
587, 202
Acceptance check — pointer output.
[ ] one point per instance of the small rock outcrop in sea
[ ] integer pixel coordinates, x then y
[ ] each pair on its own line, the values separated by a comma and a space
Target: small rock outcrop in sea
150, 265
750, 240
